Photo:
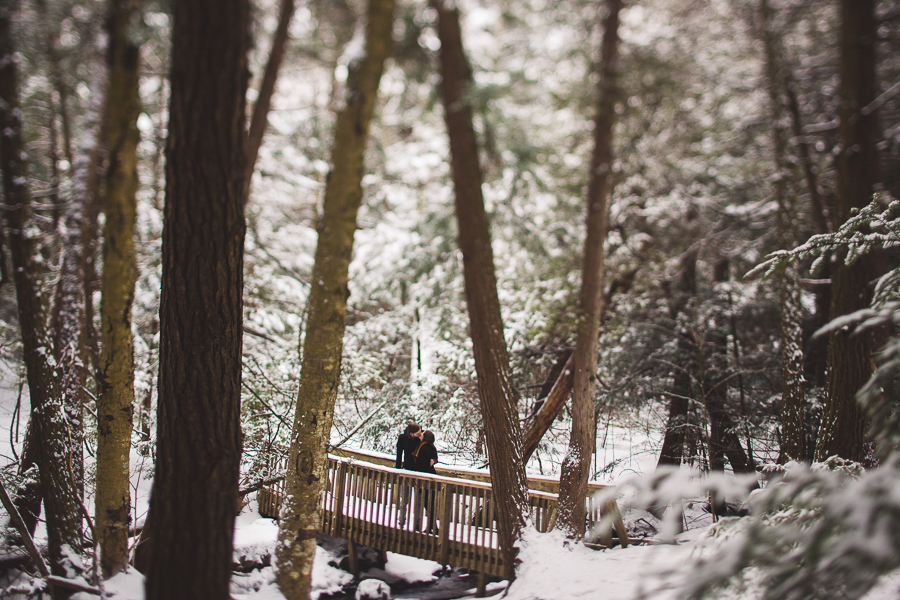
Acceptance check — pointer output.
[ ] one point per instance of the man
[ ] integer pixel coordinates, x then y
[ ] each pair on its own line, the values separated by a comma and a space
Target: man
407, 443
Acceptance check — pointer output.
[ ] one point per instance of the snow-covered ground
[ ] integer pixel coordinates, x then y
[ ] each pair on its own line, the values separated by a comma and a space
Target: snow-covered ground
551, 570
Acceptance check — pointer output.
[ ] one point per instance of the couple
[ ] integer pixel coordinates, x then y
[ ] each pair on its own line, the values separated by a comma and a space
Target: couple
416, 452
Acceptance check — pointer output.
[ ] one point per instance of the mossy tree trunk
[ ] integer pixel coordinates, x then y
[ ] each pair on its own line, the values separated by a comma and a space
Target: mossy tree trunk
195, 487
54, 452
575, 469
116, 372
498, 397
326, 320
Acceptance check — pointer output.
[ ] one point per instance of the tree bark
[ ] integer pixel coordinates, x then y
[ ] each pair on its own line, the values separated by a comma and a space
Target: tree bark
793, 436
575, 469
259, 119
680, 397
199, 436
724, 442
499, 403
116, 372
842, 431
325, 324
60, 496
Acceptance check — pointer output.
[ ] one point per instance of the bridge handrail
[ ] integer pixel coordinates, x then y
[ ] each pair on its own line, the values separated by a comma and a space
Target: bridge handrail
535, 482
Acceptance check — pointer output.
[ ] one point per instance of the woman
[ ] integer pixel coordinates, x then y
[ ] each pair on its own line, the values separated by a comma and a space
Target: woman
424, 458
425, 455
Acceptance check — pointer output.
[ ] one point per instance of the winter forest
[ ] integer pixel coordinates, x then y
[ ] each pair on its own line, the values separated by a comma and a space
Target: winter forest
643, 253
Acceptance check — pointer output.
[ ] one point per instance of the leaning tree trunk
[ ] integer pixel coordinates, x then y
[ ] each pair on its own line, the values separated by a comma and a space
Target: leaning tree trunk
842, 431
195, 486
59, 490
116, 373
793, 436
495, 388
575, 470
324, 341
259, 120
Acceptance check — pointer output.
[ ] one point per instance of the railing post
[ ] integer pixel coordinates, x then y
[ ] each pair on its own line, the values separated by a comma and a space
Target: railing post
444, 532
339, 500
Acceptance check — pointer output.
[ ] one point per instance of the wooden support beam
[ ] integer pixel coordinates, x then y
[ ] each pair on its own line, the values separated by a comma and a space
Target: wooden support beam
353, 559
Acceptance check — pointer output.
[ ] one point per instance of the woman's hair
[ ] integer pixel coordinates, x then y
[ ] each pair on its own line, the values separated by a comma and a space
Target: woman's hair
427, 438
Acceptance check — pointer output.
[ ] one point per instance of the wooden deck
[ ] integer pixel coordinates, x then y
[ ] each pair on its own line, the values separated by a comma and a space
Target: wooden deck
449, 520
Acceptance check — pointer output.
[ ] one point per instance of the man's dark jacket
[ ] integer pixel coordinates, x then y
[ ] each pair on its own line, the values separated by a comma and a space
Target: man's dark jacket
406, 445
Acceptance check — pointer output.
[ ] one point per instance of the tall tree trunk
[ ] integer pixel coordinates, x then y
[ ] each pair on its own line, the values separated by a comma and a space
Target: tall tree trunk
495, 388
199, 435
793, 436
575, 469
115, 402
324, 341
60, 495
259, 120
680, 397
842, 431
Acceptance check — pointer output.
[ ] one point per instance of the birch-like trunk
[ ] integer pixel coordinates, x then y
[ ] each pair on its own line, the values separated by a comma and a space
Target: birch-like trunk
499, 402
575, 469
324, 341
115, 401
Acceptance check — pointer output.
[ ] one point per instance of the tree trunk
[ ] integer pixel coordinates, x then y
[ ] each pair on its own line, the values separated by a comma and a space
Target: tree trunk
323, 344
842, 431
116, 373
575, 470
724, 442
199, 436
495, 388
793, 384
680, 397
60, 496
260, 117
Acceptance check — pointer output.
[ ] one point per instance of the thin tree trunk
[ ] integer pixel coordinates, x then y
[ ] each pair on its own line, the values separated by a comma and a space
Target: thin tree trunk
60, 496
575, 469
842, 431
260, 117
323, 344
724, 442
199, 436
793, 384
672, 451
499, 403
115, 402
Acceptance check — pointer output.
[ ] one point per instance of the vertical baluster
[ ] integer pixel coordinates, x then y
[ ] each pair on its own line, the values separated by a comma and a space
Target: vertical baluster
470, 503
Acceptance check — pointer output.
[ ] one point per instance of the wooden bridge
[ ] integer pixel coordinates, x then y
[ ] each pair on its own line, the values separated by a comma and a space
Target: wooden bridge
448, 518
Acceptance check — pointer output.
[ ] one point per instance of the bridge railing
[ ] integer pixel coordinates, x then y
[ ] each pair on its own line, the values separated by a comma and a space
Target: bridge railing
447, 520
